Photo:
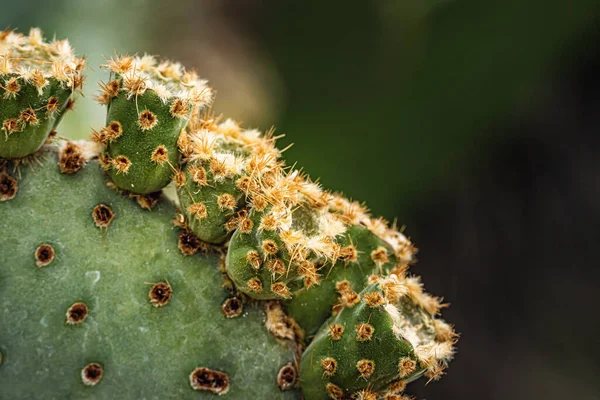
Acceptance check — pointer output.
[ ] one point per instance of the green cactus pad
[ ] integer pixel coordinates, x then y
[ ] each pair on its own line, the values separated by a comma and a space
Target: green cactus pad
85, 243
149, 104
387, 339
36, 83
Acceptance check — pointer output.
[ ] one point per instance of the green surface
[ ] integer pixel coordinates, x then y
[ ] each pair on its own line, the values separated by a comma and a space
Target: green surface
146, 352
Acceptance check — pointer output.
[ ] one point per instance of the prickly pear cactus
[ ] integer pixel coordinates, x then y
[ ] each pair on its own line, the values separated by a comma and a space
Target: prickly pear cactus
36, 82
93, 279
287, 236
255, 275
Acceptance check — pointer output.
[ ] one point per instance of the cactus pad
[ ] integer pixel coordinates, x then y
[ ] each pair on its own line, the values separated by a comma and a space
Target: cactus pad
221, 169
98, 302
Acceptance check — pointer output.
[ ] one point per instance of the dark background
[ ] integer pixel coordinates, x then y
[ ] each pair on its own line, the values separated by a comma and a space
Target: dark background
475, 123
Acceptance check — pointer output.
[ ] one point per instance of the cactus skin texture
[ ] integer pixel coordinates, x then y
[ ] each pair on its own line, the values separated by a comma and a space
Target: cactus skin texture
257, 284
145, 351
373, 348
149, 103
37, 80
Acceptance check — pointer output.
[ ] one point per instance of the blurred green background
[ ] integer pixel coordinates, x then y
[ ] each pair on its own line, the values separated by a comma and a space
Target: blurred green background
472, 122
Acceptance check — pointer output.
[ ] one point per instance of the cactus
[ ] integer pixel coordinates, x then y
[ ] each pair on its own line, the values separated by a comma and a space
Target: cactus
387, 339
37, 80
149, 103
94, 279
254, 276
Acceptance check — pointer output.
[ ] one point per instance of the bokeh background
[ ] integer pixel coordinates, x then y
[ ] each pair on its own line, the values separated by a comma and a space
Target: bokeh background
475, 123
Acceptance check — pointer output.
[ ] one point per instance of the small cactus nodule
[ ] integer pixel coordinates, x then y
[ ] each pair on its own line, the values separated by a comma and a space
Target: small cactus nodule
37, 80
255, 283
149, 103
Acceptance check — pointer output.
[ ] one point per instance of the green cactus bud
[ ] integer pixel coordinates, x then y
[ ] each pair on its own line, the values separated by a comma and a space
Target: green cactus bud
211, 185
149, 104
36, 82
362, 254
267, 255
97, 301
377, 345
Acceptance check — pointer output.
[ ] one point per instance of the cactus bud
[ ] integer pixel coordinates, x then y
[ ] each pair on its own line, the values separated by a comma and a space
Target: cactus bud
37, 79
149, 104
388, 339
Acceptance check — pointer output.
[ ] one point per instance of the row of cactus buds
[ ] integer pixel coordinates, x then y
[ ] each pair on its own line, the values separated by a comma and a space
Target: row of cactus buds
286, 236
373, 348
149, 104
37, 80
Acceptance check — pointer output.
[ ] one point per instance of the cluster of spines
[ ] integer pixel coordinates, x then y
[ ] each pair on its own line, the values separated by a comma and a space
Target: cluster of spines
387, 338
36, 82
149, 104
